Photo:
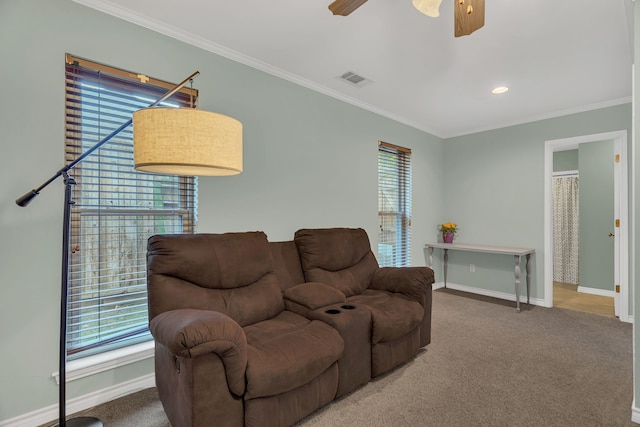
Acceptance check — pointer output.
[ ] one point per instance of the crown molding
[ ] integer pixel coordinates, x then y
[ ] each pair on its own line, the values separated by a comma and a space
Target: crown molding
197, 41
128, 15
546, 116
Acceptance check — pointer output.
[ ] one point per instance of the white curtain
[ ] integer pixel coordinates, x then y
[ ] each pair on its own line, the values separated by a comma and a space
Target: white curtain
565, 229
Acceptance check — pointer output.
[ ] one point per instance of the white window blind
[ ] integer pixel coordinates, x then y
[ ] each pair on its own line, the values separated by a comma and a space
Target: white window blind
394, 205
116, 209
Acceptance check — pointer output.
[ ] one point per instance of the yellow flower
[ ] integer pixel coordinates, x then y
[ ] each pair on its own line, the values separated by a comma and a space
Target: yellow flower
451, 227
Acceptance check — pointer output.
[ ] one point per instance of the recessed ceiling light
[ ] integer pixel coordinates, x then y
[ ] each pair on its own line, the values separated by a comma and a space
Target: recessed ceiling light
499, 90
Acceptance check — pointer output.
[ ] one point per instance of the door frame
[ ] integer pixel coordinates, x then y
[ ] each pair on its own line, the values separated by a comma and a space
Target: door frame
621, 209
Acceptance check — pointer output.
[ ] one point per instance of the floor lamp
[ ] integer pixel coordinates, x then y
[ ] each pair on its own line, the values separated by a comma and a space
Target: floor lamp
178, 141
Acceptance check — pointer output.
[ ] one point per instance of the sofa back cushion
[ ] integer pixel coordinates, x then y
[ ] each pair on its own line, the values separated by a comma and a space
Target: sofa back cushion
286, 262
232, 273
339, 257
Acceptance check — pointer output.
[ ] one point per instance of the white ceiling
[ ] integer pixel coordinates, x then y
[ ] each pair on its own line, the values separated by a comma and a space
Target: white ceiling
557, 56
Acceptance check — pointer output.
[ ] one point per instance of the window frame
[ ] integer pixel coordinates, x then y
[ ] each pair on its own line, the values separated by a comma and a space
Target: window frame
398, 164
183, 193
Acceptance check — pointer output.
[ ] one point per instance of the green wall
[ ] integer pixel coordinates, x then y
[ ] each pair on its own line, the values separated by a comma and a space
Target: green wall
309, 161
566, 160
596, 215
495, 192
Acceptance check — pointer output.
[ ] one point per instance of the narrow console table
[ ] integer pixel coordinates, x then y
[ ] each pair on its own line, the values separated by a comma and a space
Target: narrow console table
518, 253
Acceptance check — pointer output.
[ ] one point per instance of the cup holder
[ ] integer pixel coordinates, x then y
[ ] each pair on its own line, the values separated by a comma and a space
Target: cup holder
332, 311
348, 307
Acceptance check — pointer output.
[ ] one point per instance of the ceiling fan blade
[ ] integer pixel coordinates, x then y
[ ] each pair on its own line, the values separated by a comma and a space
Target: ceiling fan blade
345, 7
468, 17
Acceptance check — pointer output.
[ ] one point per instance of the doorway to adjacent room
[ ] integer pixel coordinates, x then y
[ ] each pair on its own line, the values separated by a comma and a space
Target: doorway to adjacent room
603, 235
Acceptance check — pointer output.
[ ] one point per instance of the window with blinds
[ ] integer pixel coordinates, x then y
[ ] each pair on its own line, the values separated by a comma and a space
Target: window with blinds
394, 205
116, 209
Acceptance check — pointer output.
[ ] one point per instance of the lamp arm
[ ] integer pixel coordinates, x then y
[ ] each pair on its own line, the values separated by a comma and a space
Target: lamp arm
23, 201
26, 198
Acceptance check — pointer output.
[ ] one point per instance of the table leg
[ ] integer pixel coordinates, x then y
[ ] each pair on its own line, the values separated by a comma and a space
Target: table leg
446, 262
517, 273
430, 257
528, 267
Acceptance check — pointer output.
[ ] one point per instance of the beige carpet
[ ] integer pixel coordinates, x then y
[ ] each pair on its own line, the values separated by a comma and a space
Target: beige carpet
486, 366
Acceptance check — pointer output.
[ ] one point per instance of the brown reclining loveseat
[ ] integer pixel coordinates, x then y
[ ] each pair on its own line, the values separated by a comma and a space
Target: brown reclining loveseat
256, 333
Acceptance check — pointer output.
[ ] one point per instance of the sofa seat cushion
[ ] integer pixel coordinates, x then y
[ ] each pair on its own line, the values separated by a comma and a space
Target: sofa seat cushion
287, 352
393, 315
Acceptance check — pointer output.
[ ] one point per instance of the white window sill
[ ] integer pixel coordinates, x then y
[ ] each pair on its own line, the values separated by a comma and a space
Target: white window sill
92, 365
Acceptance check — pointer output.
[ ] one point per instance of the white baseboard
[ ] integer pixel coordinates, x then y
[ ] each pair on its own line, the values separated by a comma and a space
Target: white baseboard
106, 361
50, 413
595, 291
503, 295
489, 293
635, 413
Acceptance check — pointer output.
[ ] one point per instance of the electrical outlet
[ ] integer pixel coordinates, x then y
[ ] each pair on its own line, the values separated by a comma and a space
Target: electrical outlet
472, 268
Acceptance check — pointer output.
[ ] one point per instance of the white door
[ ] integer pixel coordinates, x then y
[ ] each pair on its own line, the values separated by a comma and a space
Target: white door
618, 209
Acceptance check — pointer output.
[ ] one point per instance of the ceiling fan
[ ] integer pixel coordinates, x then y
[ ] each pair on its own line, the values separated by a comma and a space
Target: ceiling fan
468, 16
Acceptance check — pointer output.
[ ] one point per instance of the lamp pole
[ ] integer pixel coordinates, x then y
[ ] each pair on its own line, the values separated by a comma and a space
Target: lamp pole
69, 182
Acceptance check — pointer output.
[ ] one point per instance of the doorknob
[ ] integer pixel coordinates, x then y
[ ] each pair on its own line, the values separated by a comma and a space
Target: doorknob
611, 234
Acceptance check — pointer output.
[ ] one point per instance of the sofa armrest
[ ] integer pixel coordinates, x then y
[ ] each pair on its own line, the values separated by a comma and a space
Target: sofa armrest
190, 333
314, 295
413, 282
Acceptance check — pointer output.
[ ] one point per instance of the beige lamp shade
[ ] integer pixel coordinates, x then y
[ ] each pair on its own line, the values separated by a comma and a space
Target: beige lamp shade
186, 141
428, 7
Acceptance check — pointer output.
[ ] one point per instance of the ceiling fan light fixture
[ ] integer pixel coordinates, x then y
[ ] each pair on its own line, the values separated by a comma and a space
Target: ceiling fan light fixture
428, 7
500, 89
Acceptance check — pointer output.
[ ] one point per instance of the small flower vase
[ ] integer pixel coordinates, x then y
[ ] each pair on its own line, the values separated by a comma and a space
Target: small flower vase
447, 236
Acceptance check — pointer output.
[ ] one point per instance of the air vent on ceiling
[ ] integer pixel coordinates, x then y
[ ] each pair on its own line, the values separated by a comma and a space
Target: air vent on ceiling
354, 79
